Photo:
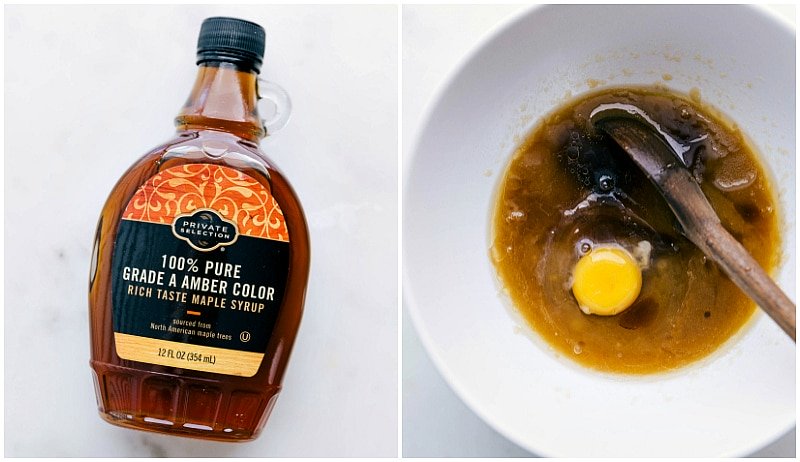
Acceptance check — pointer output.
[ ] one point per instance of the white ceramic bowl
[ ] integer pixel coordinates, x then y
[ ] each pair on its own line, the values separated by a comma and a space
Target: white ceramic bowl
734, 402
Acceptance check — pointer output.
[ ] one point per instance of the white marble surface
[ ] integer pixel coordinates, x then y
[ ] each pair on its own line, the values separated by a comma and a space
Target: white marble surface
436, 423
88, 89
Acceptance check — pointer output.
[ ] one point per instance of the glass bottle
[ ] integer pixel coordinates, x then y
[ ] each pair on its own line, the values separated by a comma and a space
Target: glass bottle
200, 263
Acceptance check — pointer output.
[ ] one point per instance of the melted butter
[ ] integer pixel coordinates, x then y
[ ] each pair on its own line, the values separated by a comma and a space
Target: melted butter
569, 187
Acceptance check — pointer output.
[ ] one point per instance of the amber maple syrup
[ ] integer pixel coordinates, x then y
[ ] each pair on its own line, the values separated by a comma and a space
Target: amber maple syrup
200, 263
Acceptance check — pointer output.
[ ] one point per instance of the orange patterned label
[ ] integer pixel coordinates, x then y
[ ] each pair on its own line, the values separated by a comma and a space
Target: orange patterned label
235, 196
200, 267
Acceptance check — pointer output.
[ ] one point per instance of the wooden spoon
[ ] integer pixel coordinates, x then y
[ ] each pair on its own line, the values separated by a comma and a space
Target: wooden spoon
660, 157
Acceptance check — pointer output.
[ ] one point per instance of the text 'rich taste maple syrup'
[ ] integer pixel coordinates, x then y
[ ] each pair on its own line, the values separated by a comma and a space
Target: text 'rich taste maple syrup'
200, 263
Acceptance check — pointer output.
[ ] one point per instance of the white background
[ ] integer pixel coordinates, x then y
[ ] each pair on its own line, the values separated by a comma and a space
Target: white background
436, 423
88, 90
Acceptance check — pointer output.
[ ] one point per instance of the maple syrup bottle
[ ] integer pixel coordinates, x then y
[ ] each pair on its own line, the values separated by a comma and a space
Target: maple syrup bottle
200, 263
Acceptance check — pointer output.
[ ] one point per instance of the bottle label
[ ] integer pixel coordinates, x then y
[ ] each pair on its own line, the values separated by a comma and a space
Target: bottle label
199, 271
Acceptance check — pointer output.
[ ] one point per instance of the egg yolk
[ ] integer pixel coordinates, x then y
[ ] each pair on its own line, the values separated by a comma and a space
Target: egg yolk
606, 281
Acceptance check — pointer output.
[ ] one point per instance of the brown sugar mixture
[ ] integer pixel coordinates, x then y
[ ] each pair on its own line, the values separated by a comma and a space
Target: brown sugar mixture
570, 189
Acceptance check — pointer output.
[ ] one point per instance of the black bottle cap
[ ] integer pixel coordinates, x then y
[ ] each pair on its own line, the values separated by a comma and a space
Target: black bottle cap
231, 40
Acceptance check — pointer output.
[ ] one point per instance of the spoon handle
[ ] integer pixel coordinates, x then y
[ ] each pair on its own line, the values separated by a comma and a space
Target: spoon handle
702, 226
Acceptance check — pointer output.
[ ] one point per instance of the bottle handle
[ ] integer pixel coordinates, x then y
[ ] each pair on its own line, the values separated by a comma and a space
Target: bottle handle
274, 105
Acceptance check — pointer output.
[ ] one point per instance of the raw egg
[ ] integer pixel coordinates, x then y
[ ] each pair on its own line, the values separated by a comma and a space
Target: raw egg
606, 281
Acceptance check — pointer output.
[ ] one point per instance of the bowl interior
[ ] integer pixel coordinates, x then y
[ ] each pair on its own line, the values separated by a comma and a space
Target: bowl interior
742, 62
